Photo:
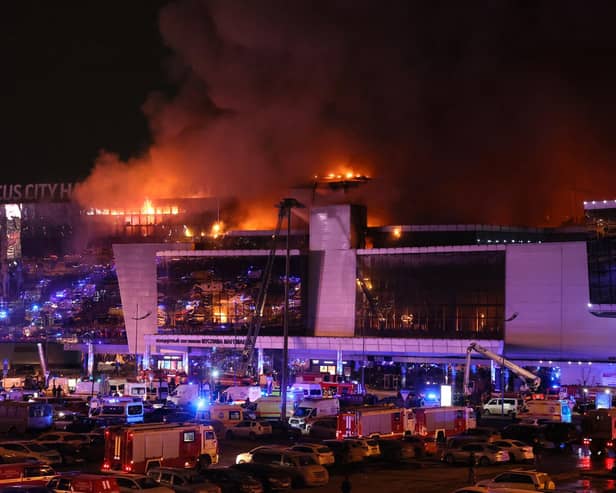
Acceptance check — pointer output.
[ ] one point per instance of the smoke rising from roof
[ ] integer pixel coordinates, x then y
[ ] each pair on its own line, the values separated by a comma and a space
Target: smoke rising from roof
465, 113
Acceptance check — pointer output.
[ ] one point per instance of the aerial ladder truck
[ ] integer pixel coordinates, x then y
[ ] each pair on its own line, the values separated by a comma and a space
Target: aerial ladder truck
531, 380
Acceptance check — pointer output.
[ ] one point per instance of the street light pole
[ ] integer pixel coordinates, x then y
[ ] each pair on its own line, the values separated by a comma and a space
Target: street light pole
287, 205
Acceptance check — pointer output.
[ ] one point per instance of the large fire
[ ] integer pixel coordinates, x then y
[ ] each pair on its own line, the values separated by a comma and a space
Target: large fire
146, 209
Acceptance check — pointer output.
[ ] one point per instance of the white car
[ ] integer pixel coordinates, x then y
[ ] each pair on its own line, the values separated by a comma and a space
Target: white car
245, 457
249, 429
30, 449
370, 447
520, 479
54, 437
133, 483
323, 454
518, 451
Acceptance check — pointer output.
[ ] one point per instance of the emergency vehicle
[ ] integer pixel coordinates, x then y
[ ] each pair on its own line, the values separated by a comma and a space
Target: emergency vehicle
548, 409
375, 420
441, 422
137, 448
599, 428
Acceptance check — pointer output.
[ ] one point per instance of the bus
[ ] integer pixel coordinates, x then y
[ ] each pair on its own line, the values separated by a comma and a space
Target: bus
117, 409
19, 417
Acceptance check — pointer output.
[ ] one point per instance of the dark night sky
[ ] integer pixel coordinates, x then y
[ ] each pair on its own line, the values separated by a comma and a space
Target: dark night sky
495, 111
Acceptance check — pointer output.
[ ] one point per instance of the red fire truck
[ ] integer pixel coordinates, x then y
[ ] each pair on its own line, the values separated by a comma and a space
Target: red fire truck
375, 420
136, 448
440, 422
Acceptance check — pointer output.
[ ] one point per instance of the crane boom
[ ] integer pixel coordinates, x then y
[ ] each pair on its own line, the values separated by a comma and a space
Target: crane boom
254, 328
255, 323
532, 380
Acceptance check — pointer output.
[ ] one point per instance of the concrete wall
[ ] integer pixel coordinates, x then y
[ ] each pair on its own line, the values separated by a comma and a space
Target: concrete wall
332, 272
547, 296
136, 270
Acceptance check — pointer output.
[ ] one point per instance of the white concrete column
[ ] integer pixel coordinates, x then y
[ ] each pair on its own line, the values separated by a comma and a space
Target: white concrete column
339, 369
146, 357
185, 362
260, 361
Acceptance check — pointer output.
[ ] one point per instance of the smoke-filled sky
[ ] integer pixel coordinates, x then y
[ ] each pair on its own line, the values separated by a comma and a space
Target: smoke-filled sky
478, 112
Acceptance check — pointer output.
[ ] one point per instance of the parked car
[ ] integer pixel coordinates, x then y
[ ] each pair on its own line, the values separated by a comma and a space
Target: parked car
369, 446
249, 429
62, 418
31, 449
323, 429
273, 478
396, 450
484, 453
518, 451
418, 443
323, 454
233, 481
246, 457
304, 468
26, 488
529, 434
521, 479
479, 434
132, 483
55, 437
182, 480
83, 483
561, 435
345, 451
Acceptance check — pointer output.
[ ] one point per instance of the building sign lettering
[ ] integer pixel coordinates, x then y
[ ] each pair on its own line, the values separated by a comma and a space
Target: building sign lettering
36, 192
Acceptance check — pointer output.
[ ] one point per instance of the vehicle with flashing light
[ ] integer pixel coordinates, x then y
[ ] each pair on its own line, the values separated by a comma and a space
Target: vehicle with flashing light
442, 422
239, 394
188, 394
369, 421
309, 410
228, 415
549, 410
137, 448
308, 390
19, 417
83, 483
117, 409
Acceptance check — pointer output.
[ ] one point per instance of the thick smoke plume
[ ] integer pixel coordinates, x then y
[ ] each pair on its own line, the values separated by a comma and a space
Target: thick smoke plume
466, 113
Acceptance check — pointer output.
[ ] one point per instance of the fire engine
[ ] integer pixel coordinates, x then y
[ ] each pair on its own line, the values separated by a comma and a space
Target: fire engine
441, 422
599, 427
137, 448
375, 420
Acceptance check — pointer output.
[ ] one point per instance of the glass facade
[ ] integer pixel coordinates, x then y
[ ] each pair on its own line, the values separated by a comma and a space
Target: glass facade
218, 294
602, 270
440, 295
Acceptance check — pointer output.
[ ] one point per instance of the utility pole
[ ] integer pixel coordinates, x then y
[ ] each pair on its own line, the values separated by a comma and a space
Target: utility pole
286, 205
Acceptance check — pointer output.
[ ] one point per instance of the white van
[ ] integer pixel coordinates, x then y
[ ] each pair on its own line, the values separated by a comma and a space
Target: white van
313, 390
269, 407
227, 414
239, 393
508, 405
311, 409
187, 394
